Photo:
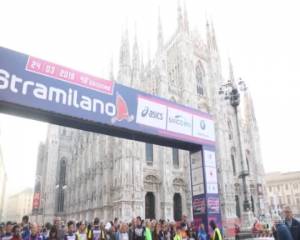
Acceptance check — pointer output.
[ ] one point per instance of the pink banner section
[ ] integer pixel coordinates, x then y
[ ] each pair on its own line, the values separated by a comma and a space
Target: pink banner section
69, 75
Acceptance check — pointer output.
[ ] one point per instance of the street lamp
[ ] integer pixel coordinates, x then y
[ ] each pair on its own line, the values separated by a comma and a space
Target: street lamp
231, 92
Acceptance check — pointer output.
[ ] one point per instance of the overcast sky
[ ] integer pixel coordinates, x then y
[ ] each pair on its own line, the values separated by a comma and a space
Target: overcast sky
261, 37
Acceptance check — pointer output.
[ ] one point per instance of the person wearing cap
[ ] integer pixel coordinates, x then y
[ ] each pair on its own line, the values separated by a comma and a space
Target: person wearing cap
291, 223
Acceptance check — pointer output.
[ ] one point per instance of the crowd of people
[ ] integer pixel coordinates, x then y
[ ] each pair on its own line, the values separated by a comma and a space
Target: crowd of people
283, 228
137, 229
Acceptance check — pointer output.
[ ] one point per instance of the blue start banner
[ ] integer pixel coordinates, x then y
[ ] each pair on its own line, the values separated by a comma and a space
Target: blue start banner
33, 87
39, 89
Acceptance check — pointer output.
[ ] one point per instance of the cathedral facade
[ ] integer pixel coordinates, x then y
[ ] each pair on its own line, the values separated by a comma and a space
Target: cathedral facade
84, 174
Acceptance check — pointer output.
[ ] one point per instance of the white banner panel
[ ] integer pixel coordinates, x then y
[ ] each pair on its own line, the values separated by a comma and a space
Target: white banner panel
197, 176
209, 158
179, 121
198, 189
196, 160
203, 128
212, 188
151, 113
211, 175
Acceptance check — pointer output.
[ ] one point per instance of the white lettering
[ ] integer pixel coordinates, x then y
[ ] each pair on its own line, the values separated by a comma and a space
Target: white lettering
75, 104
95, 101
4, 79
110, 109
14, 80
25, 86
40, 91
86, 103
58, 93
68, 97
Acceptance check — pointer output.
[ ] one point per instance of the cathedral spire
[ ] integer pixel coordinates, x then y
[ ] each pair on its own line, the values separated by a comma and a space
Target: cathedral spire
135, 62
124, 60
213, 37
208, 36
111, 72
160, 39
185, 17
231, 75
149, 54
142, 69
179, 17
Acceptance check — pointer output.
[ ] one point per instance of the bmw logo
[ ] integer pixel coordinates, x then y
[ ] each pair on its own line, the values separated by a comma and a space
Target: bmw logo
202, 124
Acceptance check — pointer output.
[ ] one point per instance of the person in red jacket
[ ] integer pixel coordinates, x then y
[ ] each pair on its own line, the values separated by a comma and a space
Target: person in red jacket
16, 231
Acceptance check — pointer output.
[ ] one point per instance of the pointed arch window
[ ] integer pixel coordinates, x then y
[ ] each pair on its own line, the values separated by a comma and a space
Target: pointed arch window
199, 71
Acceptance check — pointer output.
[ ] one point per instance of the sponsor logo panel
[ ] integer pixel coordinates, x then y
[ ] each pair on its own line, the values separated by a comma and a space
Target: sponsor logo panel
211, 175
209, 158
179, 121
151, 113
203, 128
